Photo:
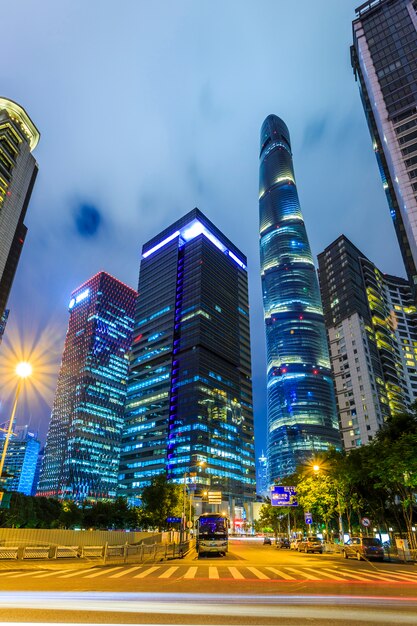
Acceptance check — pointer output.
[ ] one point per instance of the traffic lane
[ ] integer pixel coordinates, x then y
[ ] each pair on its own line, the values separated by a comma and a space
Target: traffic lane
204, 609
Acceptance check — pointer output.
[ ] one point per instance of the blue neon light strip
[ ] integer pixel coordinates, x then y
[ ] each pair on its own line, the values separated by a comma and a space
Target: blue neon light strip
189, 232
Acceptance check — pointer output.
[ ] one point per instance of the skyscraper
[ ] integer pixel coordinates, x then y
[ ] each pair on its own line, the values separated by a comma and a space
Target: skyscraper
371, 321
18, 170
384, 59
189, 407
82, 449
302, 417
20, 462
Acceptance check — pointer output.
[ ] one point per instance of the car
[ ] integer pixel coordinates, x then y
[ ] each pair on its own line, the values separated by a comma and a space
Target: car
267, 541
363, 548
283, 543
294, 544
310, 544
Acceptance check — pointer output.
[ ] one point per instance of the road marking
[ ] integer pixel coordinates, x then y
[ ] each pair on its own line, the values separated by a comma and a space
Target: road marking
102, 571
169, 572
213, 572
258, 574
279, 573
21, 575
407, 571
400, 577
369, 575
308, 576
236, 574
51, 573
147, 572
331, 574
126, 571
191, 572
78, 573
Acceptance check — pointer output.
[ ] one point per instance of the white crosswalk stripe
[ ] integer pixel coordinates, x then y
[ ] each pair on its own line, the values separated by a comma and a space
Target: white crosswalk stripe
280, 573
125, 571
368, 575
213, 572
51, 573
102, 572
21, 574
147, 572
302, 573
331, 574
77, 573
169, 572
258, 573
235, 573
191, 572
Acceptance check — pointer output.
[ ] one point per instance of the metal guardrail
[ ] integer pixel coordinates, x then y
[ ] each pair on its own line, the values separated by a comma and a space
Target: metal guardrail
125, 553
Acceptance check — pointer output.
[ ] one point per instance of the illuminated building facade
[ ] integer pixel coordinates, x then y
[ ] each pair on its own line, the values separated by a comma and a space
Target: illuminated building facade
384, 59
18, 170
371, 322
262, 478
189, 408
82, 448
302, 416
20, 462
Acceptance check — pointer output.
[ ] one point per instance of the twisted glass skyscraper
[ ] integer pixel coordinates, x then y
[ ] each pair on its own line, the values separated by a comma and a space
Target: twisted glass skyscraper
302, 417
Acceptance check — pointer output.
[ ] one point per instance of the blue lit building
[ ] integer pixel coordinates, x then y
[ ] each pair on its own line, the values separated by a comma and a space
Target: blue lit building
82, 449
189, 407
302, 416
20, 463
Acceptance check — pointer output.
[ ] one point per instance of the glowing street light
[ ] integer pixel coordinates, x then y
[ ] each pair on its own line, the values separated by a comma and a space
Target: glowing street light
23, 370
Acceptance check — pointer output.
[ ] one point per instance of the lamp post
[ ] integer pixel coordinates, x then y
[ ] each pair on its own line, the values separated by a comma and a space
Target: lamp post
199, 464
316, 470
23, 370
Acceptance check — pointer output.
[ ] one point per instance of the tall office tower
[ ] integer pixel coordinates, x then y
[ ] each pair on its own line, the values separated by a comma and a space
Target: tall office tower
18, 170
3, 322
20, 462
371, 322
384, 59
190, 390
302, 416
262, 484
82, 450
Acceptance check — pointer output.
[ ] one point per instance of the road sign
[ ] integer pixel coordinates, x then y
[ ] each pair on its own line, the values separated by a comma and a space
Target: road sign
282, 495
174, 520
214, 497
308, 518
365, 521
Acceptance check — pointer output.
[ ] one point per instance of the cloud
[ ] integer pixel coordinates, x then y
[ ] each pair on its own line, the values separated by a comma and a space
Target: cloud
88, 220
315, 130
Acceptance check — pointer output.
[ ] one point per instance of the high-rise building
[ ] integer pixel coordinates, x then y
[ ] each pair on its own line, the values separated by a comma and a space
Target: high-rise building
18, 170
384, 59
189, 407
371, 322
302, 416
82, 450
262, 478
20, 462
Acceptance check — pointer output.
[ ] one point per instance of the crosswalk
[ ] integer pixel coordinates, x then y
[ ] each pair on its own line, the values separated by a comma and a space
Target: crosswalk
169, 572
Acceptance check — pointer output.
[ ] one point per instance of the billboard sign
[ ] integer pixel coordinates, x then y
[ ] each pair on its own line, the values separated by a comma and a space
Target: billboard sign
282, 495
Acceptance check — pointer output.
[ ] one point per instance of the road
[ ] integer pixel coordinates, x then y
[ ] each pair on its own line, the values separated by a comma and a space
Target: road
252, 584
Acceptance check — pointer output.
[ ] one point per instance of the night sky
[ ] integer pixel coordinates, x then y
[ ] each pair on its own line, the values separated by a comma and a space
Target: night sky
148, 109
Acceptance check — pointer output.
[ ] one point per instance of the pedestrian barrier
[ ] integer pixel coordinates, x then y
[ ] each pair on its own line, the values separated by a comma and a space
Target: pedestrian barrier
36, 552
11, 552
66, 552
91, 551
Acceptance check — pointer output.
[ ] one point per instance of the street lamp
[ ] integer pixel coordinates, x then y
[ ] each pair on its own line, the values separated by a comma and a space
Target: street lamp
23, 370
316, 469
198, 464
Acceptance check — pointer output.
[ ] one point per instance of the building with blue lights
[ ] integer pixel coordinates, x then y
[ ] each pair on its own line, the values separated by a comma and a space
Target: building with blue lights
384, 54
302, 416
189, 407
82, 450
20, 462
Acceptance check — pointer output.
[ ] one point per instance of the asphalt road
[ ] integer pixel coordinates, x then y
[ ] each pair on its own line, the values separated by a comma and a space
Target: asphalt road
252, 584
